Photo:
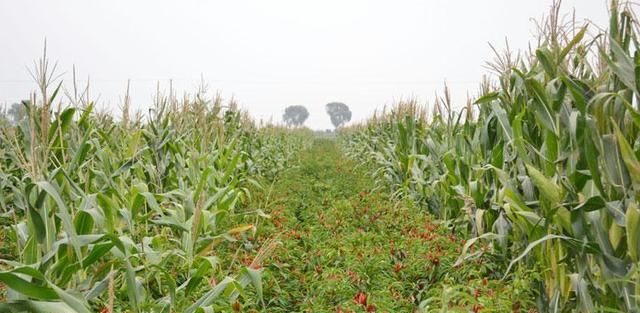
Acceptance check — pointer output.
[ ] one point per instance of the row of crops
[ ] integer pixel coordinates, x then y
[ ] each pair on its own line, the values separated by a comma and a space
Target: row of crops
543, 169
134, 215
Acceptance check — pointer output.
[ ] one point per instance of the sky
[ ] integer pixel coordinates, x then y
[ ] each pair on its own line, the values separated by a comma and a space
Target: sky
268, 55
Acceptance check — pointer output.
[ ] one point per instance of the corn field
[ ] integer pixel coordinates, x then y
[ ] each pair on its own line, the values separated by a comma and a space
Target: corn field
543, 166
524, 199
129, 215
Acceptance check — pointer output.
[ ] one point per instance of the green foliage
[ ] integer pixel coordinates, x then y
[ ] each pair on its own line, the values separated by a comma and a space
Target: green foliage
348, 248
339, 113
132, 216
543, 168
295, 115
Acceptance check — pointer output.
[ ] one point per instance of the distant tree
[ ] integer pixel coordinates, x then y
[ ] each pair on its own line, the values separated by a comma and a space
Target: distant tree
339, 113
295, 115
17, 112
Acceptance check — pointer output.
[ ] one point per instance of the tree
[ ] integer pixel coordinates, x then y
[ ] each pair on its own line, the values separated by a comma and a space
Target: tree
339, 113
295, 115
17, 112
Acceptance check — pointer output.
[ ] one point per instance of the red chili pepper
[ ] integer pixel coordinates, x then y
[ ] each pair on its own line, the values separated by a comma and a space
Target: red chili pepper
360, 298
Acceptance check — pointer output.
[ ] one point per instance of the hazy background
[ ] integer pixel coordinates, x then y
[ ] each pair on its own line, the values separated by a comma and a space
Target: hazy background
270, 54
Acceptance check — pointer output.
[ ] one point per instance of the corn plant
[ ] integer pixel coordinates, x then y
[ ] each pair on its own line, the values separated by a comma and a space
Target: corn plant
131, 215
544, 166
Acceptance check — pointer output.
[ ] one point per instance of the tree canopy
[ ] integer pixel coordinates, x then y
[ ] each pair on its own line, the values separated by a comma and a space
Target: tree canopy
16, 112
339, 113
295, 115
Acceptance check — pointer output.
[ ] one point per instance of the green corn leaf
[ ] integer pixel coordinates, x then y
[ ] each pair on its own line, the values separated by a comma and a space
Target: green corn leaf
55, 92
548, 190
489, 97
518, 137
78, 305
132, 288
22, 306
470, 242
530, 247
503, 120
616, 172
592, 204
632, 219
622, 65
64, 214
109, 209
591, 155
213, 294
547, 64
576, 39
541, 106
60, 126
578, 93
635, 116
255, 276
39, 225
629, 157
17, 283
83, 223
581, 288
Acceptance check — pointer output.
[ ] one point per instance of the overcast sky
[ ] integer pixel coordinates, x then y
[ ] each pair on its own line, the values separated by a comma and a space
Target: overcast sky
270, 54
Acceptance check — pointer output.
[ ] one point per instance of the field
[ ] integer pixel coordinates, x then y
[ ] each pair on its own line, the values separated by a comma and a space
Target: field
525, 199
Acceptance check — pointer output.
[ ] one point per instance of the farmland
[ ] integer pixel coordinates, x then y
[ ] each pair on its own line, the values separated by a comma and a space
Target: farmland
543, 166
523, 199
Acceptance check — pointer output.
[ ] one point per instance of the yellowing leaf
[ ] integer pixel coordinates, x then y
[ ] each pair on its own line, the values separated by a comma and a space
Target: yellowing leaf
629, 157
548, 189
240, 229
633, 231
